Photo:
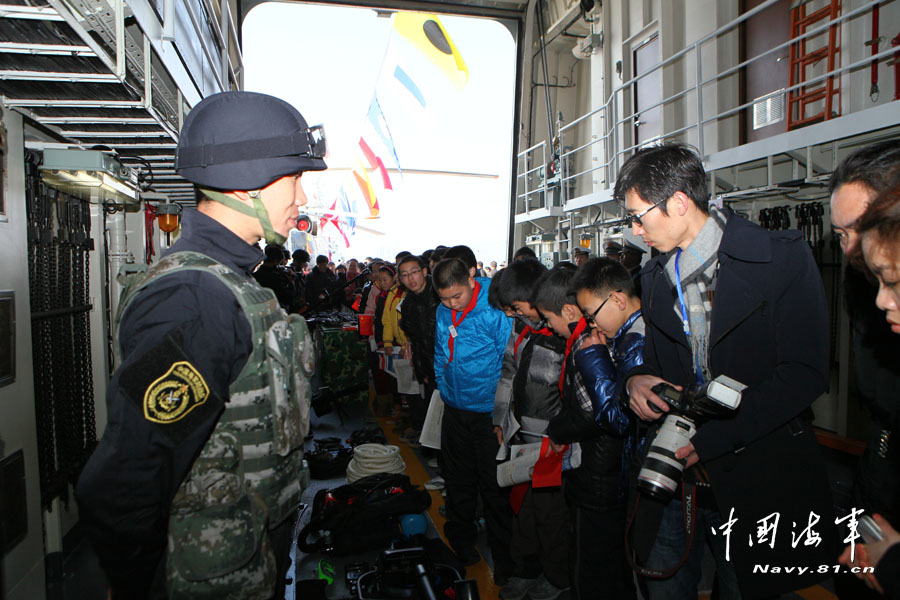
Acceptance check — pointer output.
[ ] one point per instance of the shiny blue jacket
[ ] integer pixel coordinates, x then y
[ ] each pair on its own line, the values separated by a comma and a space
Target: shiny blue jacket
604, 375
470, 380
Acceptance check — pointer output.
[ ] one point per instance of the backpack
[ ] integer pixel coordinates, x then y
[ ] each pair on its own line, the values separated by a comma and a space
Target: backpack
362, 515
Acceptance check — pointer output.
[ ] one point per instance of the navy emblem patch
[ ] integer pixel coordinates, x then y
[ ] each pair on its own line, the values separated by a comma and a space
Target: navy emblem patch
175, 394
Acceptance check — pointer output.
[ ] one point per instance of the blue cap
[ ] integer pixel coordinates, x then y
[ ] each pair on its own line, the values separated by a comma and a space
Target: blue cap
245, 141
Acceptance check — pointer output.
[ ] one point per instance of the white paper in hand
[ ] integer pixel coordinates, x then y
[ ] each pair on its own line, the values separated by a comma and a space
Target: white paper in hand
431, 430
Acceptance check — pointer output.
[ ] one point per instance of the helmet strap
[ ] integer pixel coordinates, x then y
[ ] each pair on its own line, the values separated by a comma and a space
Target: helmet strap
258, 211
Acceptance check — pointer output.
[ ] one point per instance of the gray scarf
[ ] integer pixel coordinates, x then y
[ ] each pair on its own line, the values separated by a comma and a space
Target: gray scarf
697, 266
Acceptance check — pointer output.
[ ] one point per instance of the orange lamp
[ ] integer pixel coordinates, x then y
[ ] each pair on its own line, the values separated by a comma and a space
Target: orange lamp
168, 216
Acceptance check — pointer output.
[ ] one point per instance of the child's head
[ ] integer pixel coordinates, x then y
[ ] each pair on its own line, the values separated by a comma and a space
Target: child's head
497, 298
453, 283
386, 278
605, 294
554, 301
465, 254
411, 272
517, 287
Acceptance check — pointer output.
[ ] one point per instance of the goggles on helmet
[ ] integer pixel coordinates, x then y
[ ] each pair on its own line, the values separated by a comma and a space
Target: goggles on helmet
318, 147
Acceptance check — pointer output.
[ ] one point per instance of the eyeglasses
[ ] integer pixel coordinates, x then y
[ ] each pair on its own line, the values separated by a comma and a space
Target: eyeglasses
590, 317
632, 219
409, 274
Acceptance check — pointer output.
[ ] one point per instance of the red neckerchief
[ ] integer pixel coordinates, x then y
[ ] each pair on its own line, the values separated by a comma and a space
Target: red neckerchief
526, 331
579, 329
462, 317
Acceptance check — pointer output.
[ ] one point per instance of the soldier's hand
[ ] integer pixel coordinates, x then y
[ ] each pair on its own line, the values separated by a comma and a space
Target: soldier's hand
641, 397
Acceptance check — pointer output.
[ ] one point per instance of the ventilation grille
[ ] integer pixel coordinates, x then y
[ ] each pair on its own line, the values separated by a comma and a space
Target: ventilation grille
768, 110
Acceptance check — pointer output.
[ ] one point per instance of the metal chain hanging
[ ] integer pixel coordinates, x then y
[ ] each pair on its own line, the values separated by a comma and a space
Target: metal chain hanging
58, 245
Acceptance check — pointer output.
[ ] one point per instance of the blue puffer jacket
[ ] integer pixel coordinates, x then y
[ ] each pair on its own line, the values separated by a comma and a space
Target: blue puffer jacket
470, 380
604, 375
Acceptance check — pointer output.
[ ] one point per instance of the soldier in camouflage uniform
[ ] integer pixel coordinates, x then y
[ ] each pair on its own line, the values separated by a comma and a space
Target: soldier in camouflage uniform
193, 488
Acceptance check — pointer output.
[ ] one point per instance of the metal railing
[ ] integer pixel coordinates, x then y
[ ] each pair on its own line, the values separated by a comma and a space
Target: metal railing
526, 175
617, 114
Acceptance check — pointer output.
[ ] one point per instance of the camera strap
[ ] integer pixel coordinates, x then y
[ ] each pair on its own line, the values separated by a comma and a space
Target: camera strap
688, 515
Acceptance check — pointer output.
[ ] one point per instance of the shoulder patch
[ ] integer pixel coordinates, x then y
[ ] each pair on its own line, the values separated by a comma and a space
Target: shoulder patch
176, 393
168, 390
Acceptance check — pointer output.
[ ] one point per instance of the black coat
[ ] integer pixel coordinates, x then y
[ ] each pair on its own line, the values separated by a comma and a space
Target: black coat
418, 322
317, 284
597, 484
769, 330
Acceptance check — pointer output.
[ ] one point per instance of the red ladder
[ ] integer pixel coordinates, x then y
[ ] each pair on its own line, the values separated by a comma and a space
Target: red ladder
823, 96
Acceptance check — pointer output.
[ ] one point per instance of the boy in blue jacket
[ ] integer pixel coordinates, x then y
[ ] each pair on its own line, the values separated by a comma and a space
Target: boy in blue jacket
470, 338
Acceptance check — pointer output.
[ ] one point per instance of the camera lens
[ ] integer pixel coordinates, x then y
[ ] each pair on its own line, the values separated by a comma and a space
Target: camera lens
661, 472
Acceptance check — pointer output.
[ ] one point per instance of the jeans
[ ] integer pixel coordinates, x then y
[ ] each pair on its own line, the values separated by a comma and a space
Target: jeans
668, 550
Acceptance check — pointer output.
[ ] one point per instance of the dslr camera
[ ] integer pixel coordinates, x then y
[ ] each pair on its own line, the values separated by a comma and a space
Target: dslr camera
661, 472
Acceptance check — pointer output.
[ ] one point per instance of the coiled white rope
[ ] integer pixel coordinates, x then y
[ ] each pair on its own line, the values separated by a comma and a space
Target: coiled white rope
369, 459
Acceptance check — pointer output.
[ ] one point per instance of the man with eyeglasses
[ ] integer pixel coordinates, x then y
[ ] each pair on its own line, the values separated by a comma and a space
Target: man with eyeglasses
727, 297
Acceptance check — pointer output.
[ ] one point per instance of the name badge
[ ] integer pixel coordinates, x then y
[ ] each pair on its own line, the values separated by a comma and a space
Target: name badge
453, 331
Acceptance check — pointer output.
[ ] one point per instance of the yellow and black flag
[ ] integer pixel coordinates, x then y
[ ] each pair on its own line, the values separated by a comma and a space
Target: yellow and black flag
427, 34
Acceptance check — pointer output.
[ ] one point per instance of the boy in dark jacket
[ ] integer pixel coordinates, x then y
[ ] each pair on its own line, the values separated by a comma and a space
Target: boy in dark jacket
595, 491
529, 387
418, 322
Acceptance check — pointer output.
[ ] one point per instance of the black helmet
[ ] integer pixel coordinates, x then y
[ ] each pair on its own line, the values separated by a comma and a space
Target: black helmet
245, 141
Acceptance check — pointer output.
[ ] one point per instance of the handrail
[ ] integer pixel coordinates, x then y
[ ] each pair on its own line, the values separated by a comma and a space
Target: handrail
527, 150
675, 96
583, 117
867, 61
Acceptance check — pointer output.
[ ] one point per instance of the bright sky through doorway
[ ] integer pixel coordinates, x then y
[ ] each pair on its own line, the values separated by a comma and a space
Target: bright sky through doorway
330, 62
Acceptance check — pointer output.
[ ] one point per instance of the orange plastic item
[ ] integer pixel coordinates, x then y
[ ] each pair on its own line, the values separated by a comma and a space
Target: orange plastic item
168, 222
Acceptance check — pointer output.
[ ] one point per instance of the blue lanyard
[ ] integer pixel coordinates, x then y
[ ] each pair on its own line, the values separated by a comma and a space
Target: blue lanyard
698, 371
684, 314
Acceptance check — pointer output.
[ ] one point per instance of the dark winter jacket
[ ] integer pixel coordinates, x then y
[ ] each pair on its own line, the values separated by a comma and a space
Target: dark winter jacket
278, 281
597, 484
769, 330
603, 375
877, 375
317, 283
418, 323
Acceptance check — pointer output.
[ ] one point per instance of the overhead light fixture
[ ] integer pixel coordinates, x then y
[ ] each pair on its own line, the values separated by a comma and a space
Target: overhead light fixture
585, 240
82, 172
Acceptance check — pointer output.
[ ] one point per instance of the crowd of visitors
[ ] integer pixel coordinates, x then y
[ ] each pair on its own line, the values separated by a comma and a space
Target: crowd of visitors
576, 354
